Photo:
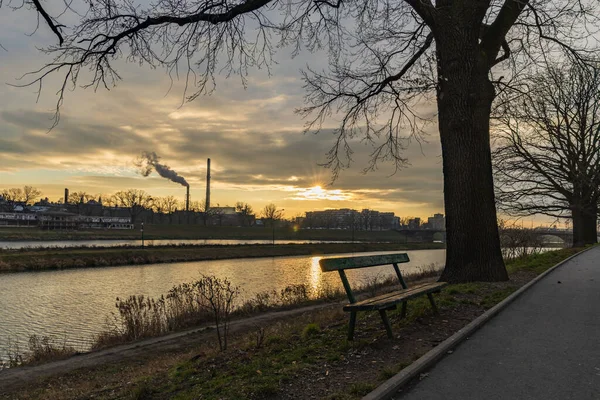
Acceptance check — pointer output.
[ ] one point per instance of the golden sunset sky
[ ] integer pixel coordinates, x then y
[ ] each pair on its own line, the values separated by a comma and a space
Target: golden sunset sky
259, 152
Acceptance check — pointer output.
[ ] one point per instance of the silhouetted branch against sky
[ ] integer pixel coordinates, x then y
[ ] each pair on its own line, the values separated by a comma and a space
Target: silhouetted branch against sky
382, 53
547, 155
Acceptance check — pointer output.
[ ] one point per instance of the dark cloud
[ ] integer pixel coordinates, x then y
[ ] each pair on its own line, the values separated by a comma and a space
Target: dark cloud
243, 160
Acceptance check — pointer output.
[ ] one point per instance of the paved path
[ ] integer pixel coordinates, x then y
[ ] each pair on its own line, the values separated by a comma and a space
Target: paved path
545, 345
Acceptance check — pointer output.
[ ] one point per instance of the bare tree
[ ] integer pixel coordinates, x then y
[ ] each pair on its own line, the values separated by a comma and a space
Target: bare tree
30, 194
548, 155
518, 241
271, 214
13, 195
80, 197
170, 206
387, 59
134, 200
18, 195
82, 201
245, 212
218, 212
158, 207
165, 206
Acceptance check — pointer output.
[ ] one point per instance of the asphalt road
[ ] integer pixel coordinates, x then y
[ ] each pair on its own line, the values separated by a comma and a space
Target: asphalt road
544, 345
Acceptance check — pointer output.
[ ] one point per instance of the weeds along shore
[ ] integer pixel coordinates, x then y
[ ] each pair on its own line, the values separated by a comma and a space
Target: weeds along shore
38, 259
207, 301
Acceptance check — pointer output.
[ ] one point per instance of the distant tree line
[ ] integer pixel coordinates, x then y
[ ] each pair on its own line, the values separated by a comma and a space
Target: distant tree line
137, 202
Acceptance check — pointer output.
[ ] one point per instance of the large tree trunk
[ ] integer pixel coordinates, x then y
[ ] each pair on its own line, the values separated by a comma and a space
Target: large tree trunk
584, 226
465, 96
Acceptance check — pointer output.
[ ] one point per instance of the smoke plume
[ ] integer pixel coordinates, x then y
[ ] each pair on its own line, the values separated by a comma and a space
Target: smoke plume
149, 161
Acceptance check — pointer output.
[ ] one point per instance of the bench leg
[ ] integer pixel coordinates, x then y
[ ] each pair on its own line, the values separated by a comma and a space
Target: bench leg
432, 301
386, 323
351, 325
403, 313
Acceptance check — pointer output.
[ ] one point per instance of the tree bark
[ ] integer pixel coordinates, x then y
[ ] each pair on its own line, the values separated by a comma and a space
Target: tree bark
584, 225
465, 96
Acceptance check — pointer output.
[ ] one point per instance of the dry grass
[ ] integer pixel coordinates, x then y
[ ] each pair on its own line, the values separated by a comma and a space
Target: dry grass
41, 349
140, 317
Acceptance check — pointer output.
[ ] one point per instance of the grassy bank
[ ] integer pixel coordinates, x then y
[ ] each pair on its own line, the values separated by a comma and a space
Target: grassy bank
202, 232
304, 356
86, 257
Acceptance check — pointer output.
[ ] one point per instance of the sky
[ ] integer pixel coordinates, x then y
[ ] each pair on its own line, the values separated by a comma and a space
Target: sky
259, 153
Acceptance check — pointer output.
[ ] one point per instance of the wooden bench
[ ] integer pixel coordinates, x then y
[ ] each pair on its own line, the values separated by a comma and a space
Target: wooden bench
384, 302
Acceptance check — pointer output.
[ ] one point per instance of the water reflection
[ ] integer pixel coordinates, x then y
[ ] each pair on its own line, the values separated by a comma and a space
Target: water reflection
74, 304
315, 274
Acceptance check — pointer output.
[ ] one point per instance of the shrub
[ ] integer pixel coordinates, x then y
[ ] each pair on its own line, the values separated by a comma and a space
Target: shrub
310, 330
219, 295
294, 294
44, 348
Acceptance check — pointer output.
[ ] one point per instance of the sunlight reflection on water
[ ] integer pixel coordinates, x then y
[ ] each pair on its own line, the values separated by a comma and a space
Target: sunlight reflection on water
73, 304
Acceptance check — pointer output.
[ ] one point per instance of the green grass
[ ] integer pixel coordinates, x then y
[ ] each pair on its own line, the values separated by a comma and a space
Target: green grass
309, 330
539, 263
259, 374
361, 388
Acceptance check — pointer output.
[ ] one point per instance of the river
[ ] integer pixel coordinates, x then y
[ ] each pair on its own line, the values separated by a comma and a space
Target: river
21, 244
72, 305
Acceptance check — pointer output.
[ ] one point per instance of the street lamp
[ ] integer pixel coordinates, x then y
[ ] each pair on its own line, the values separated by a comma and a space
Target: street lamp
142, 230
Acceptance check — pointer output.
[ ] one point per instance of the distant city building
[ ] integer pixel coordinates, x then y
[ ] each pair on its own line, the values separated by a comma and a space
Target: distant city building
414, 223
53, 220
345, 218
437, 222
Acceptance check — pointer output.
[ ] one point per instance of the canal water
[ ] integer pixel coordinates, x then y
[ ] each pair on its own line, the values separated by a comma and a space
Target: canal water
134, 242
73, 305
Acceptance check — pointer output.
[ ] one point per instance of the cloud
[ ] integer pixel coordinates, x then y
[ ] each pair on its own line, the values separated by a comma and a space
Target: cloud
252, 135
248, 161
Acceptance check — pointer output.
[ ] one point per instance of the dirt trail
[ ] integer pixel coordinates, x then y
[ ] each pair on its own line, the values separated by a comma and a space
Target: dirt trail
12, 379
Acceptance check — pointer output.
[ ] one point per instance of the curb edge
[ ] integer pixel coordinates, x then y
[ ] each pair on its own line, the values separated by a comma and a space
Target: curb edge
388, 388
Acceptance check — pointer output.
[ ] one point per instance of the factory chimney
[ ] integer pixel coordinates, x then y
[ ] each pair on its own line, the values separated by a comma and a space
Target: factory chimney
66, 195
187, 199
207, 185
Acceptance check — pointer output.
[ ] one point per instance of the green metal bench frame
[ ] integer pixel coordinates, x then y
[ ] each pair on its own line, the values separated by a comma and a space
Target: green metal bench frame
387, 301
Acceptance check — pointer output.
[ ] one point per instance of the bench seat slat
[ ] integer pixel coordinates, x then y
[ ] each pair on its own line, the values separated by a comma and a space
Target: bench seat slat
390, 299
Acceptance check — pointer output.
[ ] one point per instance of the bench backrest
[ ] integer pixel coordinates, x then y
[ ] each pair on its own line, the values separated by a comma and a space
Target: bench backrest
335, 264
343, 263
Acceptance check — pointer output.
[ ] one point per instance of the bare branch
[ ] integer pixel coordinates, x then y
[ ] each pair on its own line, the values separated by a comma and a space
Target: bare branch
53, 26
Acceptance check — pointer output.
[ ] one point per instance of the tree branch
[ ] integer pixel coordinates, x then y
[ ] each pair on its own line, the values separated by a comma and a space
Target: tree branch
54, 27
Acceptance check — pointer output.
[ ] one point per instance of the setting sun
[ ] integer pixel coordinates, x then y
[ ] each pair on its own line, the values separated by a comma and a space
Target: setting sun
318, 193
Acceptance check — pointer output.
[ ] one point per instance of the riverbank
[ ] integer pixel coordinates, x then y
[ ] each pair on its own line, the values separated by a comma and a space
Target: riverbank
88, 257
153, 232
298, 354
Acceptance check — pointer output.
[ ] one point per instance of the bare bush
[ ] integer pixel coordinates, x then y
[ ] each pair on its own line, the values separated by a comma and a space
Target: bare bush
294, 294
40, 349
13, 355
517, 241
219, 295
